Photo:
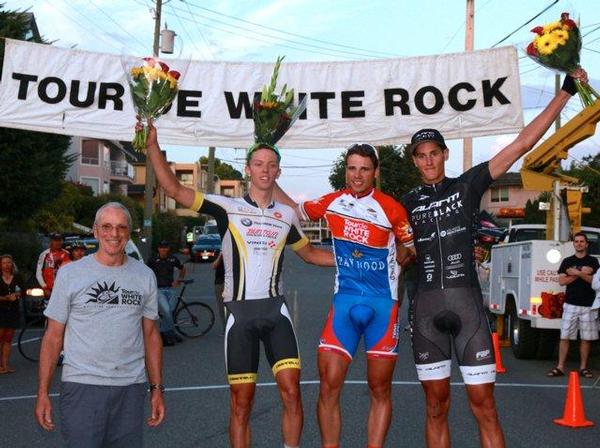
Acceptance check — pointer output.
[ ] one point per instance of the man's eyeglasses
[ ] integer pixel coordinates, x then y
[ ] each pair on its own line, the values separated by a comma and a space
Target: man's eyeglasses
108, 228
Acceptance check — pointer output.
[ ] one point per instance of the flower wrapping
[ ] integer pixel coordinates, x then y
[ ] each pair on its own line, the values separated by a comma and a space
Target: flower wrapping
153, 87
273, 113
557, 46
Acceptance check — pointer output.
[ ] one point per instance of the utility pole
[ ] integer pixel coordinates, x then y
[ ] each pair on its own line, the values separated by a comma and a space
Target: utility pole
468, 142
150, 178
556, 90
210, 181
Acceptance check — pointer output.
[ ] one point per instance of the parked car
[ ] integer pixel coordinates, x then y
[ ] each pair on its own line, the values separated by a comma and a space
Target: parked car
91, 246
206, 248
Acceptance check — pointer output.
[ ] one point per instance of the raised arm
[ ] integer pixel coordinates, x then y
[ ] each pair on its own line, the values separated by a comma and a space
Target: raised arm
183, 195
532, 133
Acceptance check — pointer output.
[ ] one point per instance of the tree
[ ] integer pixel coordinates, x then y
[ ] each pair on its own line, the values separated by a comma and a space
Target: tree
533, 214
33, 164
224, 170
398, 173
588, 172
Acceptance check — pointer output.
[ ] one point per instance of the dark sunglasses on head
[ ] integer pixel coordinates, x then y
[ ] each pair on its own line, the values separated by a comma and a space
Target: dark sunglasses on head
363, 148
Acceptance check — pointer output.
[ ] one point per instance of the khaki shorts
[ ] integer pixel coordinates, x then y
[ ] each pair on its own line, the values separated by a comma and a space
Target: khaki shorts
581, 318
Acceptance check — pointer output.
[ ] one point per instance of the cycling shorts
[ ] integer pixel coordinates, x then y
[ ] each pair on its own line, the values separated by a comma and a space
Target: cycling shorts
351, 316
251, 321
447, 316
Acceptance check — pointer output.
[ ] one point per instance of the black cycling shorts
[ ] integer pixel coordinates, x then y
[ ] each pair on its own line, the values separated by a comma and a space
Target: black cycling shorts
447, 316
252, 321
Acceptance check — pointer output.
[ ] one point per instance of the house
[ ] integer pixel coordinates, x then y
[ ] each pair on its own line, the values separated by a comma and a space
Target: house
102, 165
506, 192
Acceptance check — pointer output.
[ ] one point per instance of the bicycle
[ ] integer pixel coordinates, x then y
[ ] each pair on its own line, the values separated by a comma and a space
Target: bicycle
30, 336
192, 319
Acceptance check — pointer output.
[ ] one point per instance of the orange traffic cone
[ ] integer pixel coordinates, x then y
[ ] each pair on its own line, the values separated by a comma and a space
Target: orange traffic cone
574, 415
499, 366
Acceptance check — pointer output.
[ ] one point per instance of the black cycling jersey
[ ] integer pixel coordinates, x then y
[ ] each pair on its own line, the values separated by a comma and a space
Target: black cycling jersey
163, 269
443, 218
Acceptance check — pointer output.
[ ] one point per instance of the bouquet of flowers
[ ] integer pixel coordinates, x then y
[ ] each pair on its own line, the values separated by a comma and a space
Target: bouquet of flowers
273, 113
557, 46
153, 88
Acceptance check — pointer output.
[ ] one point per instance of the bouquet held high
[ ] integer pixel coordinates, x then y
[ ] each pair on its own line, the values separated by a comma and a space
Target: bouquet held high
273, 113
153, 88
557, 46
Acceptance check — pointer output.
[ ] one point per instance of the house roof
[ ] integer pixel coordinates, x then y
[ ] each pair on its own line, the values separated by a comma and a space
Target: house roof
508, 180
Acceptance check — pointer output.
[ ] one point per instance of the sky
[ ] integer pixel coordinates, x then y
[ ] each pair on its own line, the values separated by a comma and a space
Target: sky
317, 30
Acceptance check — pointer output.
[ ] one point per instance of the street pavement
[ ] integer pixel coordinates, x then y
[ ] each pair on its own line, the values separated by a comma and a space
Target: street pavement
197, 397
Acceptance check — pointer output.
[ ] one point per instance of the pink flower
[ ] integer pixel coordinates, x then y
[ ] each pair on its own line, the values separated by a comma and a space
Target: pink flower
164, 67
150, 61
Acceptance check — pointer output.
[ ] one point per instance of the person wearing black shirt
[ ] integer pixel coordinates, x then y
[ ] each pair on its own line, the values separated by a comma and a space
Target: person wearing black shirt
576, 273
163, 266
448, 305
219, 268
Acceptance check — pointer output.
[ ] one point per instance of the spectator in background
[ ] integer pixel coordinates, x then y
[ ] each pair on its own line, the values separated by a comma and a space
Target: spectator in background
50, 261
77, 250
219, 268
11, 290
576, 273
164, 266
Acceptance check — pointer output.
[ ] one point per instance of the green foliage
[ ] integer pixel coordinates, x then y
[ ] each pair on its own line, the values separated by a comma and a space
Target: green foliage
398, 173
588, 172
533, 215
25, 248
169, 227
33, 163
224, 170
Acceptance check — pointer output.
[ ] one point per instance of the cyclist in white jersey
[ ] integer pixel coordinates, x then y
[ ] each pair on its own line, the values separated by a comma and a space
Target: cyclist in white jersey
254, 231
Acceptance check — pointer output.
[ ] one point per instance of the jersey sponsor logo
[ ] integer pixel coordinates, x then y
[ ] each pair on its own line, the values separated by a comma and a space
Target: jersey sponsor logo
454, 274
277, 215
423, 356
242, 209
357, 253
372, 213
422, 197
346, 206
424, 239
266, 233
438, 209
452, 231
483, 354
454, 257
356, 231
246, 222
357, 263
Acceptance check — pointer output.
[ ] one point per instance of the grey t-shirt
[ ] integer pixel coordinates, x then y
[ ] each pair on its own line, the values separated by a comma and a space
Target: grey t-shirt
102, 308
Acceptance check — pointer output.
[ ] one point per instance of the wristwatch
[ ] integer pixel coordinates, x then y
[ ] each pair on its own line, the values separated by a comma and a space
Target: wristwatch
160, 387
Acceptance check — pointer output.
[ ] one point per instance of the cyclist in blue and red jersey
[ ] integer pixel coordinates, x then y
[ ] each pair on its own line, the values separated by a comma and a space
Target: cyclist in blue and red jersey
366, 226
448, 303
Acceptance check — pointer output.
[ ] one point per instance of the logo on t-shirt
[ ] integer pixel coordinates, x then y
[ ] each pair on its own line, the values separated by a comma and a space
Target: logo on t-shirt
104, 294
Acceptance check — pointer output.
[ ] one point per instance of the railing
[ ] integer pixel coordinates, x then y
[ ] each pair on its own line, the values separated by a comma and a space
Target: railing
121, 169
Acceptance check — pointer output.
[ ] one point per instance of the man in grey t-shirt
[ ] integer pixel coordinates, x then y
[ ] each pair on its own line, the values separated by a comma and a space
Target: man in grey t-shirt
103, 309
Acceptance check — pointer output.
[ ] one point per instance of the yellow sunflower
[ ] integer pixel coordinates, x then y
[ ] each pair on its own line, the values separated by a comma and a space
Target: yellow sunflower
561, 36
548, 28
546, 44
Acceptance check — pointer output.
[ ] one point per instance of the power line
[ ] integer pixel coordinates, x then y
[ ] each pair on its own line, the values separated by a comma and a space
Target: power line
201, 33
144, 46
294, 42
526, 23
193, 42
288, 32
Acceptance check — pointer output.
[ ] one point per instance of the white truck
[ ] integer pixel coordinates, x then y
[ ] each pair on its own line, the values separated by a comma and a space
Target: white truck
520, 283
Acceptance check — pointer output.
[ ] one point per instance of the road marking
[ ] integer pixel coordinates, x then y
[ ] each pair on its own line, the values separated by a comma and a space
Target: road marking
312, 382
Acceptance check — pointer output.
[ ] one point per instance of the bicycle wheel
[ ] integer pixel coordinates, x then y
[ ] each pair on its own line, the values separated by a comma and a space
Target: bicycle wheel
30, 339
194, 319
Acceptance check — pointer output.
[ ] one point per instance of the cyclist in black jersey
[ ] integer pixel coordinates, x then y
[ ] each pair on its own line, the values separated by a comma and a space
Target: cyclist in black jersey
254, 231
448, 304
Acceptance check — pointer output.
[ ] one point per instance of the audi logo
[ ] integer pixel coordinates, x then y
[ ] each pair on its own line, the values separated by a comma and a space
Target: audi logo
454, 257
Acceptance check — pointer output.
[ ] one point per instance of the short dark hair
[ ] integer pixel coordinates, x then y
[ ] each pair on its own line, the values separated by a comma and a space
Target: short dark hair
363, 150
581, 234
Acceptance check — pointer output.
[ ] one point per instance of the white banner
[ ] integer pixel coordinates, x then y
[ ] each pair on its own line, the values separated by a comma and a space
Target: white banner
74, 92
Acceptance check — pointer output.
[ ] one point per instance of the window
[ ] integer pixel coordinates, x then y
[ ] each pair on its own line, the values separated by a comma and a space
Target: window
90, 154
186, 178
92, 182
499, 194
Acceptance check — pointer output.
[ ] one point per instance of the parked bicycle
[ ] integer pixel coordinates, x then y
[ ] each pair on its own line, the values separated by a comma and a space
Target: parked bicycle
192, 319
30, 336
